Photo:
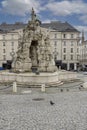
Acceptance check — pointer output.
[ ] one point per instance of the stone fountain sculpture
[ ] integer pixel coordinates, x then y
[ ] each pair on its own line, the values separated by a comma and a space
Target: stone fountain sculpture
34, 49
34, 53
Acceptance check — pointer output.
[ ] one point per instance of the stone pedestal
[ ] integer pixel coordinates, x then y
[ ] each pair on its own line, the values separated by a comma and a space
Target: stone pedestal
43, 88
14, 87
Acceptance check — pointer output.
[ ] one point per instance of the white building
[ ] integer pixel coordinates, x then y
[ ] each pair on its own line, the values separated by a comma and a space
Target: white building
83, 51
63, 37
65, 41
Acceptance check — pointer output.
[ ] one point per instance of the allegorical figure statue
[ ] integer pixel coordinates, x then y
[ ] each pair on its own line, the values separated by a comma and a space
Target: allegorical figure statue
34, 49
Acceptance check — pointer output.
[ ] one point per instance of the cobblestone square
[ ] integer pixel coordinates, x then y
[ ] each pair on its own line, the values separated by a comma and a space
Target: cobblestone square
27, 112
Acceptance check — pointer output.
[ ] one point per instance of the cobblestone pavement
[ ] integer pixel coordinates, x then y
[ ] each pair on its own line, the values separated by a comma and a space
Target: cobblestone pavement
34, 112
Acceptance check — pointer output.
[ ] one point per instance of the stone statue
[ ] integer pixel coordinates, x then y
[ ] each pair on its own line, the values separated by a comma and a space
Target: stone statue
33, 15
34, 49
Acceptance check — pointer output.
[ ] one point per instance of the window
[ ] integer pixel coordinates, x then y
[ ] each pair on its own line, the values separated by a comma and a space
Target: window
77, 50
3, 36
55, 43
64, 57
72, 35
12, 36
64, 50
3, 50
64, 35
71, 50
55, 50
64, 43
12, 43
77, 57
77, 43
71, 43
3, 43
71, 57
4, 57
55, 35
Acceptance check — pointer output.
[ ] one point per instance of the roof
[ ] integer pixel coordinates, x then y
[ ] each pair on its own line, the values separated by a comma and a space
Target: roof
11, 27
56, 25
60, 26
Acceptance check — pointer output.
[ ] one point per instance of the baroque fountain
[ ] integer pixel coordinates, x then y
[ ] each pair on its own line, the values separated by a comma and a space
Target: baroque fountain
33, 64
34, 50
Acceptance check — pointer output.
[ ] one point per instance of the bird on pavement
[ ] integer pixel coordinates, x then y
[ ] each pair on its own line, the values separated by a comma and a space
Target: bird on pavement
52, 103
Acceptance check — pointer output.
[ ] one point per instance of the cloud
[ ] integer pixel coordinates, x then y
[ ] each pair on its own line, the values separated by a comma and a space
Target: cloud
62, 8
20, 7
53, 7
66, 7
49, 20
46, 21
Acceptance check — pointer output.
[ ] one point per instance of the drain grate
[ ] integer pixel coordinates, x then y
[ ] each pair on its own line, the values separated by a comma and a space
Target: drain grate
38, 99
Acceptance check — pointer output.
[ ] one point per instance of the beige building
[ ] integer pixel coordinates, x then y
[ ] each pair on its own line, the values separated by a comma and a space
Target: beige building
65, 43
8, 46
64, 39
83, 51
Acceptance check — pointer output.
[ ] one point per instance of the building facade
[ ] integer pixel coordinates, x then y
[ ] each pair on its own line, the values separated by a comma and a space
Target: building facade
65, 43
8, 46
83, 51
64, 39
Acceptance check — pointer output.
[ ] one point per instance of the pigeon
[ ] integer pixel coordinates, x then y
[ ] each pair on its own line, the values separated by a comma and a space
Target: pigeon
81, 86
52, 103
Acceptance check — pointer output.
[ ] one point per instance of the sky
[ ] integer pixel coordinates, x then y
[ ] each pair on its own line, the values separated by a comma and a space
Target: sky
72, 11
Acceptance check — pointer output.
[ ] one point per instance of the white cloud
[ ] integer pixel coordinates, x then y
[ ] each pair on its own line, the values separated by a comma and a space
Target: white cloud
49, 20
56, 8
62, 8
46, 21
66, 7
20, 7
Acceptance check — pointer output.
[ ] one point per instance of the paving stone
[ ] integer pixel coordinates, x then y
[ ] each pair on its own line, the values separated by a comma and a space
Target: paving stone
21, 112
